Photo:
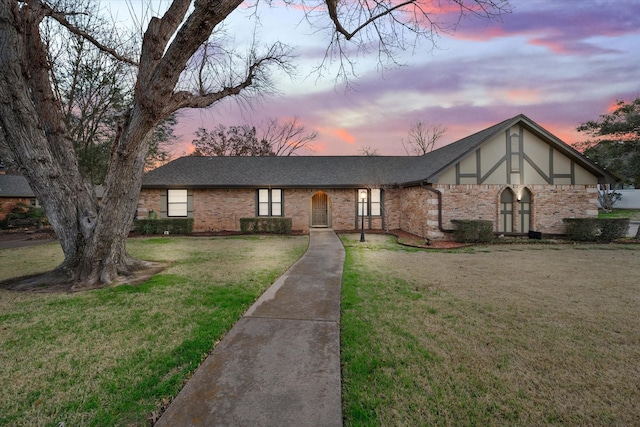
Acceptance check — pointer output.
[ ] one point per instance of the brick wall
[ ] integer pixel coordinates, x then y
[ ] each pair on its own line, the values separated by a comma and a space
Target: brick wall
148, 201
562, 201
221, 209
415, 213
550, 204
412, 209
8, 203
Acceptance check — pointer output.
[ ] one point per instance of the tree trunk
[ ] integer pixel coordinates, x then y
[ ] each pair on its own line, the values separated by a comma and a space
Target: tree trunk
92, 235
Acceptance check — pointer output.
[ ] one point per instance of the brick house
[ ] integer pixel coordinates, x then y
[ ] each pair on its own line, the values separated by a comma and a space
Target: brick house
515, 174
14, 189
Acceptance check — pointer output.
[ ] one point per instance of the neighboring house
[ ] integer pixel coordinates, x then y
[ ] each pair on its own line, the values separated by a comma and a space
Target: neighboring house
515, 174
14, 189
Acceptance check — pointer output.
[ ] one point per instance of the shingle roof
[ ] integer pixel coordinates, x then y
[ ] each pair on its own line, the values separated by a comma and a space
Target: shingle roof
338, 171
291, 171
15, 186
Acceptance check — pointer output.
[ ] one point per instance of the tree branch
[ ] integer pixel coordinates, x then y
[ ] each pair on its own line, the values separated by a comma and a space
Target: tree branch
332, 6
62, 19
278, 55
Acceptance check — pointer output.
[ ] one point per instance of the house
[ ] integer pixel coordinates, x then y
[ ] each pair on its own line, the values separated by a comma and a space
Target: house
515, 174
14, 189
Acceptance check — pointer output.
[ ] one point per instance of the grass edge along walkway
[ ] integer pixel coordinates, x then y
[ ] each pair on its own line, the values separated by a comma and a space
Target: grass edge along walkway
444, 338
115, 356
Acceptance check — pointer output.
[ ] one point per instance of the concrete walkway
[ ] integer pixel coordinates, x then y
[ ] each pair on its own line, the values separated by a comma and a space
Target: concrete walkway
280, 364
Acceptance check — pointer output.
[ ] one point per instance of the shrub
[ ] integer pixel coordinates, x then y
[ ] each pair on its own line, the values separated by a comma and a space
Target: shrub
25, 216
159, 226
472, 230
596, 229
581, 229
613, 228
266, 225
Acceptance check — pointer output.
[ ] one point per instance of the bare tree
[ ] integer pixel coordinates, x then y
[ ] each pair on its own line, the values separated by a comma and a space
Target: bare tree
287, 137
231, 141
608, 196
276, 138
369, 151
422, 137
92, 235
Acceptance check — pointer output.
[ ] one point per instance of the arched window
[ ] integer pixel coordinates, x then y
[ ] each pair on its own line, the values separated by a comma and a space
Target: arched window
505, 224
524, 210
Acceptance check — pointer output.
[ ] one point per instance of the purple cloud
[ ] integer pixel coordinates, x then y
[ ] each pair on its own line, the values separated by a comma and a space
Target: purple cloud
562, 27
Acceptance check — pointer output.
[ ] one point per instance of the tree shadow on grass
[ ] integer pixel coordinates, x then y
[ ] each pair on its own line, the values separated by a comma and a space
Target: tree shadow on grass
58, 282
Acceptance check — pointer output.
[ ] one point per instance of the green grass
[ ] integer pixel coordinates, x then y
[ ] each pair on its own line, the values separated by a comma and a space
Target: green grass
113, 356
633, 214
501, 336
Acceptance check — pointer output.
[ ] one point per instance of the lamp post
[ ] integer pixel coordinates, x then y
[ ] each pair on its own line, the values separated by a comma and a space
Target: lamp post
363, 198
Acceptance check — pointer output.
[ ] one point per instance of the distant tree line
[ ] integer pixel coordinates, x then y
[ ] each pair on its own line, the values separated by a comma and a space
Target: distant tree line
615, 143
275, 138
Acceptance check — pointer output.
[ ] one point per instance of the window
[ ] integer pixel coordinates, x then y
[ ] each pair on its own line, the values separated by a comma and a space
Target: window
525, 211
372, 204
177, 203
506, 211
376, 202
270, 202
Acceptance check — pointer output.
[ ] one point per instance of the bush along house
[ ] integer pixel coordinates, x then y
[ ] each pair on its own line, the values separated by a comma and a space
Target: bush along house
515, 174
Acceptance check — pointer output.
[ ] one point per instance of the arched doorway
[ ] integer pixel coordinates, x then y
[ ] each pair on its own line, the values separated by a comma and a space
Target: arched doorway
320, 210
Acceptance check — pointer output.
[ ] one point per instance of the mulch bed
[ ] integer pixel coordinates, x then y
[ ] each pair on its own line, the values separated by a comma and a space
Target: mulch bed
408, 239
26, 234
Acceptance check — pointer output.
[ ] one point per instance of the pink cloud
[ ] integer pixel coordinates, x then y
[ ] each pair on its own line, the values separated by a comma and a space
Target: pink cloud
342, 134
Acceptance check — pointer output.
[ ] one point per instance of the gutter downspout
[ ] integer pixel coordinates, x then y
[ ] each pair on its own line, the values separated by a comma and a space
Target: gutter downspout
439, 195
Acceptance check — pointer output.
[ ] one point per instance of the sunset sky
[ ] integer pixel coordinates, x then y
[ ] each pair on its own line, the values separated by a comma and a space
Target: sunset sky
560, 62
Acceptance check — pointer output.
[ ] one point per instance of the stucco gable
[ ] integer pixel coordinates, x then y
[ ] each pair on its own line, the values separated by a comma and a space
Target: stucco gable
491, 157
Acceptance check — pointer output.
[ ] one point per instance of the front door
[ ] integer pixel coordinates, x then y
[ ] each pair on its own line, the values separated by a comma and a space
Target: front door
320, 210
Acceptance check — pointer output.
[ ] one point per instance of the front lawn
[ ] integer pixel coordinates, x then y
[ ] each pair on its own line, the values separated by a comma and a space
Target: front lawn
114, 356
633, 214
499, 335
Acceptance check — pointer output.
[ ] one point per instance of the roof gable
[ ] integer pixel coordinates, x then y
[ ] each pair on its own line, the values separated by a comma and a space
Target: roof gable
447, 156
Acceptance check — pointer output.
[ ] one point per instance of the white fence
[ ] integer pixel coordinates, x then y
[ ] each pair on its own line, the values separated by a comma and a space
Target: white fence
630, 200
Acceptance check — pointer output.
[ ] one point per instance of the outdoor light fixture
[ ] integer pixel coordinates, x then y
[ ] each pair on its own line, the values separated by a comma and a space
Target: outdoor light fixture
363, 198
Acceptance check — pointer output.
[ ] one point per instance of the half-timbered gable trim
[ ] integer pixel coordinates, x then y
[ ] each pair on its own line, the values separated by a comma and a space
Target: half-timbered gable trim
516, 156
